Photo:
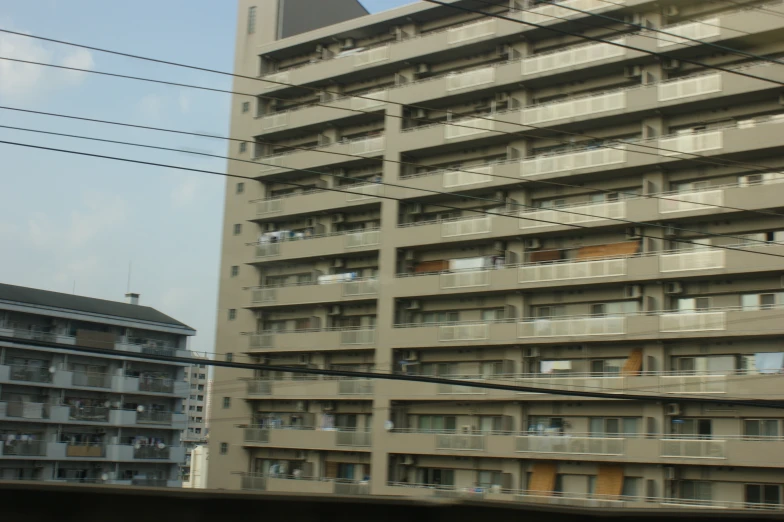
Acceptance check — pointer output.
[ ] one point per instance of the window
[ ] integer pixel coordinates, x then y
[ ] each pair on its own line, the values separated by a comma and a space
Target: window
245, 107
200, 397
613, 426
202, 376
763, 495
240, 187
632, 486
197, 430
493, 314
237, 229
607, 366
201, 388
232, 314
490, 424
693, 304
229, 357
252, 19
191, 408
436, 477
439, 369
200, 408
226, 403
693, 428
437, 423
547, 312
193, 397
705, 364
696, 490
486, 479
243, 147
193, 387
616, 308
235, 271
440, 317
224, 448
751, 302
761, 428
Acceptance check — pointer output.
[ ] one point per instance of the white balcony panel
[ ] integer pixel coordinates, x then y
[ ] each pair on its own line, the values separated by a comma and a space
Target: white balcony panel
377, 54
688, 143
363, 239
264, 295
454, 441
694, 30
461, 178
355, 387
270, 163
691, 201
693, 384
549, 12
677, 89
570, 444
269, 206
363, 192
262, 341
572, 326
361, 287
697, 260
465, 279
358, 337
693, 321
463, 332
274, 121
576, 56
575, 160
470, 78
466, 227
578, 270
456, 389
268, 250
282, 77
569, 215
369, 100
693, 448
574, 108
467, 127
467, 32
367, 145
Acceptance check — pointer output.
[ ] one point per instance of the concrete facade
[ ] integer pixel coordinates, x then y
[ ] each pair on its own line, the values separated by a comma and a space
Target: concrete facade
633, 245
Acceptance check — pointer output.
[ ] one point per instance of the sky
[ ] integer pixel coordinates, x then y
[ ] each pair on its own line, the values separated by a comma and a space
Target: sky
78, 224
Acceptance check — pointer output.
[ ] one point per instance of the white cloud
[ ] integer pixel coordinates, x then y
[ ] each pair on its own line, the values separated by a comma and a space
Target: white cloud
27, 81
150, 107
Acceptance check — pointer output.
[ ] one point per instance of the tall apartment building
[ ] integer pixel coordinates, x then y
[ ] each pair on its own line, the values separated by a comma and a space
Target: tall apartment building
67, 415
195, 434
632, 244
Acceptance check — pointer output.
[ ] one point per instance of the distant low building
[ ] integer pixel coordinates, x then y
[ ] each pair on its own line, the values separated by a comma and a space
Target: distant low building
71, 416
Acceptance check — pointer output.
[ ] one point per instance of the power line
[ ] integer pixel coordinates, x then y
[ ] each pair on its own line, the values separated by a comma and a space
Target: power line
398, 377
485, 212
646, 28
694, 158
517, 180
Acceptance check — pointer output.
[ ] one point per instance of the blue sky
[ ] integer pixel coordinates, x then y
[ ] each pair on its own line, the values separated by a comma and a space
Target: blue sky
68, 220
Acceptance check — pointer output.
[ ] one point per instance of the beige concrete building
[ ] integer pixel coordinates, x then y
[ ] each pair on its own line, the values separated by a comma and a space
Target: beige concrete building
579, 278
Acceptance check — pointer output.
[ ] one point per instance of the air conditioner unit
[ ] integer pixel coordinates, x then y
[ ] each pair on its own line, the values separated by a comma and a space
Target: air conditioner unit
408, 460
423, 68
532, 243
499, 246
302, 406
413, 305
633, 232
670, 473
334, 310
338, 218
669, 64
328, 406
409, 255
672, 408
338, 263
633, 71
466, 429
419, 113
531, 352
673, 287
416, 208
411, 355
633, 291
348, 43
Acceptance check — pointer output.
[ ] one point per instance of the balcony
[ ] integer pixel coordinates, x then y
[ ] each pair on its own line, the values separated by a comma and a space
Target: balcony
20, 448
551, 12
312, 339
318, 200
30, 374
573, 326
303, 485
572, 444
152, 452
701, 30
573, 215
308, 437
323, 245
88, 413
148, 416
689, 87
323, 292
466, 227
92, 380
573, 57
86, 450
310, 387
156, 385
314, 157
696, 260
575, 108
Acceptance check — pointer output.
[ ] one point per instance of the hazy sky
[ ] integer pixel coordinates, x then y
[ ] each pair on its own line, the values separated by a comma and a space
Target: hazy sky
67, 220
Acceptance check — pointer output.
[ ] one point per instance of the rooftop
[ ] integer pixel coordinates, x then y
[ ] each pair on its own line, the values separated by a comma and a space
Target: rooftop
37, 297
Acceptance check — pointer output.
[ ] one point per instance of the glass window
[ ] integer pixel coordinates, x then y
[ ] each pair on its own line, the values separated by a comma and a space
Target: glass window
252, 19
545, 312
693, 304
243, 147
240, 188
751, 302
696, 490
490, 424
493, 315
245, 106
224, 448
226, 403
437, 423
631, 486
235, 271
232, 314
237, 229
440, 317
769, 495
229, 357
487, 479
436, 477
761, 427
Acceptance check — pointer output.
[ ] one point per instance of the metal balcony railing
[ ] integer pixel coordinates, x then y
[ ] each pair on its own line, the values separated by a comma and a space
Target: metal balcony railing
27, 410
152, 452
355, 386
566, 215
92, 380
154, 384
456, 441
149, 482
700, 30
572, 444
153, 417
18, 448
30, 373
348, 437
88, 413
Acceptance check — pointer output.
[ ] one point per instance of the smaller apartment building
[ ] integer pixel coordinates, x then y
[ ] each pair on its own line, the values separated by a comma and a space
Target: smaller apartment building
67, 415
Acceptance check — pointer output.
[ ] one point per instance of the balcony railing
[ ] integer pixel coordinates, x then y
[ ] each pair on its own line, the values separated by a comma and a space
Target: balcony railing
573, 214
359, 336
471, 31
466, 226
257, 435
690, 143
348, 437
153, 417
465, 279
456, 441
355, 386
461, 178
364, 191
688, 201
92, 380
579, 159
152, 452
159, 385
572, 270
549, 12
259, 387
691, 448
18, 448
27, 410
575, 108
353, 239
573, 444
31, 373
467, 127
149, 482
700, 30
85, 450
89, 413
573, 326
573, 57
690, 86
463, 332
693, 321
696, 260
